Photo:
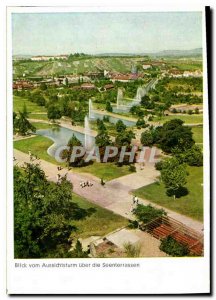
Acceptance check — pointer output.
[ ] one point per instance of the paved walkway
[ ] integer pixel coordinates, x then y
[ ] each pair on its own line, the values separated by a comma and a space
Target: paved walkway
116, 194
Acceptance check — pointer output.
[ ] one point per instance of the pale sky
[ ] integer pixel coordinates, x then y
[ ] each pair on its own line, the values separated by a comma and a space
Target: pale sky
94, 33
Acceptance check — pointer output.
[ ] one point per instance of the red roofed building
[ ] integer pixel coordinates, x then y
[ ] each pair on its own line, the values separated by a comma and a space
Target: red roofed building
88, 86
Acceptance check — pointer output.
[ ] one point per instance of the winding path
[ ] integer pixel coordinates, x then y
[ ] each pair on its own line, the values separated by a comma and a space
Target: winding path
116, 194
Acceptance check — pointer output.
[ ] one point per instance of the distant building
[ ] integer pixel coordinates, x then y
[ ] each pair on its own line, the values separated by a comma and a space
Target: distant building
22, 85
88, 86
47, 57
125, 77
196, 73
108, 86
146, 66
175, 73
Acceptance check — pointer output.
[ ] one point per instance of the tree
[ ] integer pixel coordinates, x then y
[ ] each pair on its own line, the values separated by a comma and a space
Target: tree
100, 125
124, 138
43, 214
120, 126
147, 138
147, 213
170, 246
21, 123
78, 161
43, 86
132, 250
141, 123
102, 139
174, 135
174, 176
109, 106
192, 156
78, 251
53, 112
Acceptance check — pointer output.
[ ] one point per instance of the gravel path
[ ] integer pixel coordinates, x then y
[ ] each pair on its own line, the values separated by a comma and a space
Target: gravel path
116, 194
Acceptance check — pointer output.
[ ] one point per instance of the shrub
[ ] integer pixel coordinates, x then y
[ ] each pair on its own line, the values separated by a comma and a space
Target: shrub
170, 246
132, 168
133, 224
132, 250
159, 165
147, 213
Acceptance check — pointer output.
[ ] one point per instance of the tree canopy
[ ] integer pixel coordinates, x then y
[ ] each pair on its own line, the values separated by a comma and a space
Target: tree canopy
43, 214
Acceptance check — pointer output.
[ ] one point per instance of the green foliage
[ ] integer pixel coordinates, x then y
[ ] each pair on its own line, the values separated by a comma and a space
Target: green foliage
103, 139
124, 138
132, 250
147, 138
43, 214
173, 134
192, 156
141, 123
54, 112
21, 125
133, 224
159, 165
120, 126
78, 251
132, 168
147, 213
43, 86
100, 125
173, 248
78, 161
174, 176
109, 106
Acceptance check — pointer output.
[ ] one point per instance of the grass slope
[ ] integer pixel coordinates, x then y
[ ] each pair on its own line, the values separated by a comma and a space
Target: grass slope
38, 145
18, 103
188, 119
99, 223
190, 205
198, 134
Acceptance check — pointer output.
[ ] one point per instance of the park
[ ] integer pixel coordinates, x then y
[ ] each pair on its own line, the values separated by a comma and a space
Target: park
87, 143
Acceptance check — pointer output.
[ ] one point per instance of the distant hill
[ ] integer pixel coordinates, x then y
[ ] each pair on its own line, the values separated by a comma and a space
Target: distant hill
164, 53
114, 63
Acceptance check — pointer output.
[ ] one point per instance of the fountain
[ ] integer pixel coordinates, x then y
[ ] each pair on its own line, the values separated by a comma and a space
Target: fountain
119, 97
88, 142
141, 92
91, 114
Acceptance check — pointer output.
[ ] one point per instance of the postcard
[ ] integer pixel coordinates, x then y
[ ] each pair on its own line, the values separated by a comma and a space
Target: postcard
107, 150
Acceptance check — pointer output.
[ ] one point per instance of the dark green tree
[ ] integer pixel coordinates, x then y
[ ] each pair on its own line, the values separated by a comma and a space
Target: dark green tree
54, 112
43, 214
174, 175
174, 134
109, 106
120, 126
124, 138
147, 138
21, 124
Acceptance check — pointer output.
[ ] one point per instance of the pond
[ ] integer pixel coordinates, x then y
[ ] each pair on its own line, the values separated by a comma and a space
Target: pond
60, 136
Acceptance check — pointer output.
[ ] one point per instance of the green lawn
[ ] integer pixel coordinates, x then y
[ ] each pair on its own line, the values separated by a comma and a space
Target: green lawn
18, 103
38, 116
107, 171
99, 223
41, 125
188, 119
198, 134
38, 145
190, 205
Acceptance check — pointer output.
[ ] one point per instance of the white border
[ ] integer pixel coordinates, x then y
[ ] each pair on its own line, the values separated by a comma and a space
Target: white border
184, 275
